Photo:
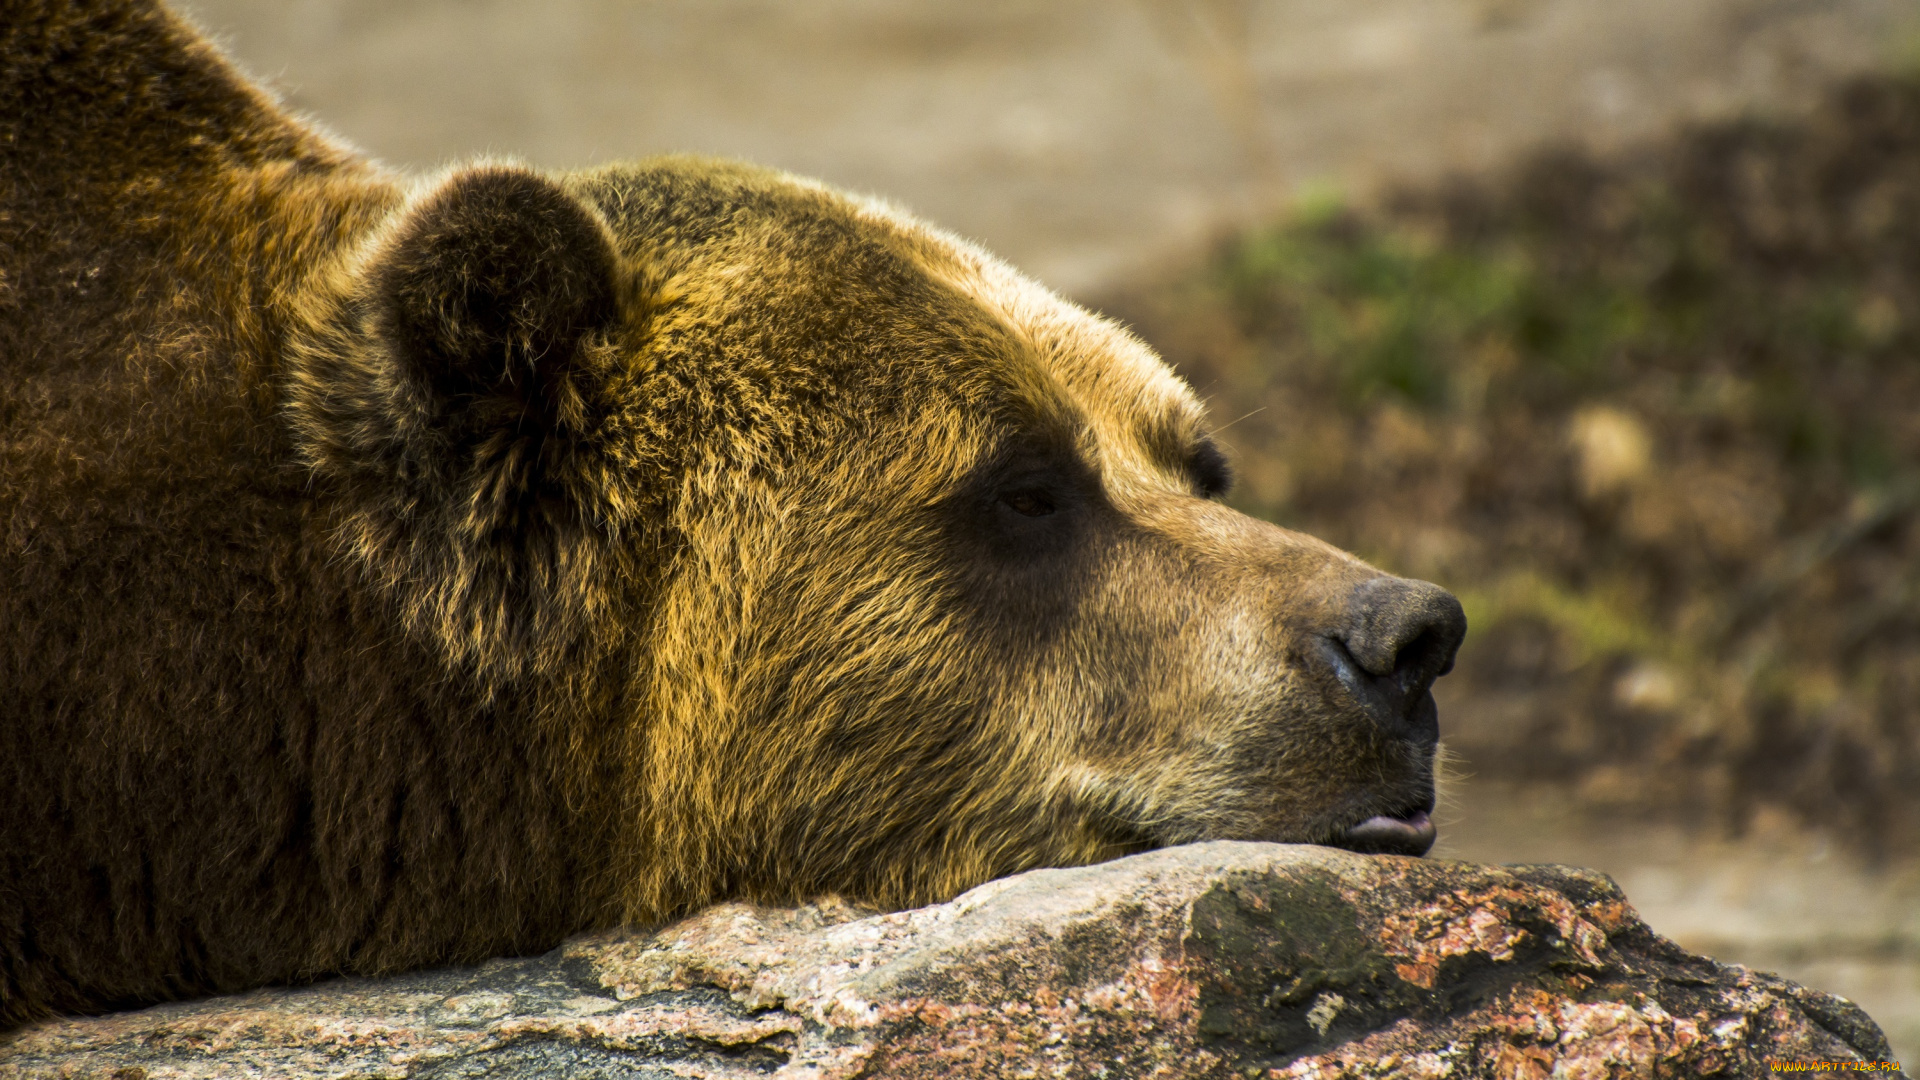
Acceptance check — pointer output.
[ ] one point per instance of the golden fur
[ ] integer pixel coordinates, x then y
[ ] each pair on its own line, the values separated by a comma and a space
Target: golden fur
407, 571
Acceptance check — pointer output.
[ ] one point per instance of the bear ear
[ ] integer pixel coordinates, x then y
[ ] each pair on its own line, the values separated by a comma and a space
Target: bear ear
486, 291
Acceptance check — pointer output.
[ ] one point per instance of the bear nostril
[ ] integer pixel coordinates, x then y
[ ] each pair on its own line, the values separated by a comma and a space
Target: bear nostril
1405, 630
1399, 637
1422, 660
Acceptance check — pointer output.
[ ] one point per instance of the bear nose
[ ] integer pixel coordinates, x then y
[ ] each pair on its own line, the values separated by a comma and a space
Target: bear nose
1399, 636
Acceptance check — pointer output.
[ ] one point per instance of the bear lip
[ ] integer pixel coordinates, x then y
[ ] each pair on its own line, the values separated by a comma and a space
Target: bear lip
1385, 834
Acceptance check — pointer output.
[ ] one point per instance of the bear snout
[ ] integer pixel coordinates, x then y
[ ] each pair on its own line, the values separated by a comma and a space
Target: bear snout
1397, 637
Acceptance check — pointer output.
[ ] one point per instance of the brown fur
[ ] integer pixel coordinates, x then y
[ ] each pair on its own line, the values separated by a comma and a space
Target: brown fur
403, 572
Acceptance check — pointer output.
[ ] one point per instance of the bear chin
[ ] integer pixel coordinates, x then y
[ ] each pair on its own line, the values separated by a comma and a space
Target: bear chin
1411, 833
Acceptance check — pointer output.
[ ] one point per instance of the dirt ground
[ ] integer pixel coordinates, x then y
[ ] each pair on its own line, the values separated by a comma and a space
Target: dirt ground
1099, 144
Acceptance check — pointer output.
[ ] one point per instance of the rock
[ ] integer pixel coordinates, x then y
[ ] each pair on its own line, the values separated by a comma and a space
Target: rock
1213, 960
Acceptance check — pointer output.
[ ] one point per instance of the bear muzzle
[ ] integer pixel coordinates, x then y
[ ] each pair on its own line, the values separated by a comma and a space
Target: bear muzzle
1396, 638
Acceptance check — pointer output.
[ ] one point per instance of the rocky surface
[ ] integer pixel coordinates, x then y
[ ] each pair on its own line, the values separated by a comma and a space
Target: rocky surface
1214, 960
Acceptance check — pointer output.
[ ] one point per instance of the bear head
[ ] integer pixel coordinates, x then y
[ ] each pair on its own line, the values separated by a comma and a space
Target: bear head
836, 555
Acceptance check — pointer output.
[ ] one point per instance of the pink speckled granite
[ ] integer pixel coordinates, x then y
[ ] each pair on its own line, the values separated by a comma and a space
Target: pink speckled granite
1214, 960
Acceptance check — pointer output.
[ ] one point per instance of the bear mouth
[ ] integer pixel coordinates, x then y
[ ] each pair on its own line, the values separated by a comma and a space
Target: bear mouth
1410, 832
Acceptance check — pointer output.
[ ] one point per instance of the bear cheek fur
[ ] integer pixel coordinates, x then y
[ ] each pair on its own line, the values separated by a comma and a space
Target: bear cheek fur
816, 723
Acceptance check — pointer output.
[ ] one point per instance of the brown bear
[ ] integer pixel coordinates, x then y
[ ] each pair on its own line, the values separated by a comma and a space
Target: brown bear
399, 572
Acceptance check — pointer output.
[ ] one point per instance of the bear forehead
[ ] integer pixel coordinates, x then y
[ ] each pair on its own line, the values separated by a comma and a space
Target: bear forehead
1139, 420
861, 291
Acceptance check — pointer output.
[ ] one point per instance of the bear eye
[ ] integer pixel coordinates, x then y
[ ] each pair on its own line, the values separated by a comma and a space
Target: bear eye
1030, 502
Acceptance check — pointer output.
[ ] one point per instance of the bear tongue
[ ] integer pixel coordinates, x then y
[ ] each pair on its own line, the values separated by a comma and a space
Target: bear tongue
1382, 834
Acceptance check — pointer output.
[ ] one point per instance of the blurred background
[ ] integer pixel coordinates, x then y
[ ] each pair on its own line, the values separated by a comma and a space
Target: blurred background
1603, 313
